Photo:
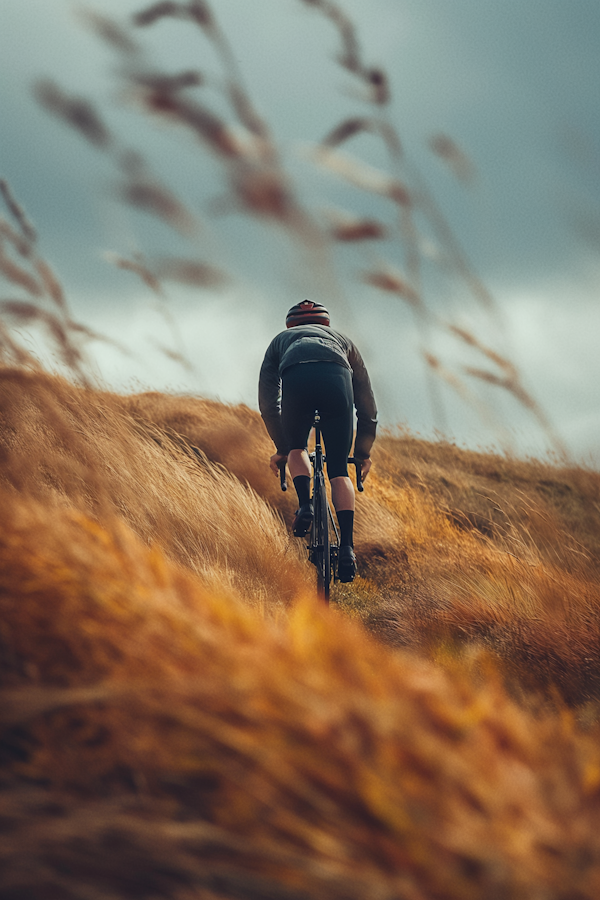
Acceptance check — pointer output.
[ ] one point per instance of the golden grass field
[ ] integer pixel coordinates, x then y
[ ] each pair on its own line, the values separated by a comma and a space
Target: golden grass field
182, 718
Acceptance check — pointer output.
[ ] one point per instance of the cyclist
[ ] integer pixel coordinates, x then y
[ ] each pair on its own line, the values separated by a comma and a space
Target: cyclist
310, 366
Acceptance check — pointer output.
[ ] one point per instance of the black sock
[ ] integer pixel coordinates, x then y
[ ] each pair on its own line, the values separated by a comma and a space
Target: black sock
345, 519
302, 485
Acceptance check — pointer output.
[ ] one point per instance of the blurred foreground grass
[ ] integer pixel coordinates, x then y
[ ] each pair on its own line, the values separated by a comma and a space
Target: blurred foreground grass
182, 718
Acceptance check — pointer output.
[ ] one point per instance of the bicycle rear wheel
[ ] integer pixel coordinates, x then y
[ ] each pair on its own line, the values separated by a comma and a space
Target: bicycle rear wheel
321, 545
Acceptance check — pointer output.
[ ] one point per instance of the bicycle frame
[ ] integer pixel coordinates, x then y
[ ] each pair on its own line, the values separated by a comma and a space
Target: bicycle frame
322, 550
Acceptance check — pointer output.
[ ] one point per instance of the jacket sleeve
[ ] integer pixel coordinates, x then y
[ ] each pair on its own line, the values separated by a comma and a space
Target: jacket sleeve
364, 401
269, 398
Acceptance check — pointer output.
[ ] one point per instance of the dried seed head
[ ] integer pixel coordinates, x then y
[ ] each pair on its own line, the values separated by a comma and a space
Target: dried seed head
455, 158
109, 31
75, 111
469, 338
162, 83
157, 200
200, 12
191, 272
264, 192
136, 266
196, 10
208, 126
346, 130
380, 85
362, 175
393, 282
157, 11
345, 227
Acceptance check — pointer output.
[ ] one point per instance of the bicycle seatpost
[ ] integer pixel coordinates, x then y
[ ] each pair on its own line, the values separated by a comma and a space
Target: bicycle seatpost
318, 446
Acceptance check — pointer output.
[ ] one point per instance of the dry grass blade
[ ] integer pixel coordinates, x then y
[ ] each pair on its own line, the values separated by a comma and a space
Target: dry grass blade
451, 244
389, 280
469, 338
349, 128
19, 276
455, 158
109, 31
361, 174
17, 212
152, 197
155, 12
175, 355
512, 384
217, 135
346, 130
349, 228
196, 11
12, 353
449, 377
350, 57
465, 393
265, 191
163, 83
24, 313
60, 328
51, 283
249, 117
76, 111
506, 382
191, 272
138, 267
22, 245
77, 328
201, 119
144, 191
185, 271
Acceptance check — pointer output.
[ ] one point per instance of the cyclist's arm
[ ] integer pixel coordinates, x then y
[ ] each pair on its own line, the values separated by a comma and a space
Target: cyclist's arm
269, 399
364, 401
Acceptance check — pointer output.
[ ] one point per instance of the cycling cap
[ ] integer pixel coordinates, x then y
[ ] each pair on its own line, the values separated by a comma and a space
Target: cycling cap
307, 313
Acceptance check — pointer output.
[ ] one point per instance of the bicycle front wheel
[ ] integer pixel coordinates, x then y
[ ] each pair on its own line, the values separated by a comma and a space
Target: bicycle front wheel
322, 546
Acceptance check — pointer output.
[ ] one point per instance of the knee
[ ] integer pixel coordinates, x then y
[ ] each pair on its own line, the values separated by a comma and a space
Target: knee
296, 454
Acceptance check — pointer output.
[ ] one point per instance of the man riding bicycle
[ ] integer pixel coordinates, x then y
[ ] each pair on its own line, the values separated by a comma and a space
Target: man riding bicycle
308, 367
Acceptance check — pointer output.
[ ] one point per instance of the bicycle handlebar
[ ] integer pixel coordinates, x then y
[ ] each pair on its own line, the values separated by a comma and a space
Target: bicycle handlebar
357, 463
282, 478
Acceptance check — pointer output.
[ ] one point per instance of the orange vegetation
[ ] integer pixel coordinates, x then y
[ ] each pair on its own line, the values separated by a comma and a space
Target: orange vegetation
183, 719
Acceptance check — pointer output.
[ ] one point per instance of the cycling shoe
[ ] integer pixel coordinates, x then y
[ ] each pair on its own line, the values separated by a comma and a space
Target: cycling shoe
346, 564
303, 520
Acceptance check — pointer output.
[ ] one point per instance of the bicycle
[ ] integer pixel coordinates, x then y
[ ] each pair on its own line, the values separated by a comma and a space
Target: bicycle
323, 538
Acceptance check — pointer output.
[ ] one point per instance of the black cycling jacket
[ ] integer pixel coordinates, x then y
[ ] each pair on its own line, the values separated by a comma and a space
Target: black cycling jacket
315, 343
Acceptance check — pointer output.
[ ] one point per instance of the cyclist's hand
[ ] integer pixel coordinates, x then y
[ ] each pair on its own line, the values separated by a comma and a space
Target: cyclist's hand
276, 462
365, 467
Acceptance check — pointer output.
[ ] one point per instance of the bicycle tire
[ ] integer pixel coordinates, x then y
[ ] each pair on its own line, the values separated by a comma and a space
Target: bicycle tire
322, 548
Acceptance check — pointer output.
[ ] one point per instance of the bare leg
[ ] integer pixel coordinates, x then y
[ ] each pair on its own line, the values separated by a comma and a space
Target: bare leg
298, 463
342, 493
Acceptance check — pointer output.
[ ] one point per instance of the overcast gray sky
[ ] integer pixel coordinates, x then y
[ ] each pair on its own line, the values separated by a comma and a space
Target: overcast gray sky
515, 85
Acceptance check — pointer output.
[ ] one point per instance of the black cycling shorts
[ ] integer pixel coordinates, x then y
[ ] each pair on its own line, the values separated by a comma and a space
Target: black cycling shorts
326, 386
